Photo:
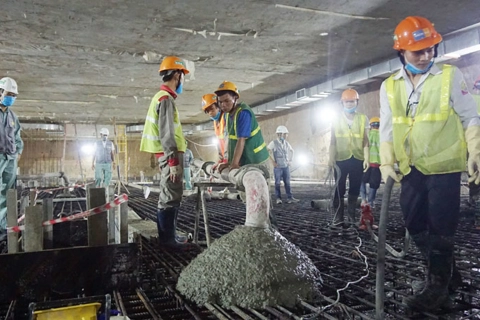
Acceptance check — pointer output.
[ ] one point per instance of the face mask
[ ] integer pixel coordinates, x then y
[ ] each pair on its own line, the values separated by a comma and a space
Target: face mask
216, 117
8, 101
282, 139
410, 67
179, 89
352, 110
104, 138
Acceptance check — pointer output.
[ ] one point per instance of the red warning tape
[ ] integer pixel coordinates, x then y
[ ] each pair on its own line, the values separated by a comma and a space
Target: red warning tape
116, 202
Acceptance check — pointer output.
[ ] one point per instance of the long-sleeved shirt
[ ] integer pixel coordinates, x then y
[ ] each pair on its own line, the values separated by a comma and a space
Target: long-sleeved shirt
166, 126
18, 138
460, 100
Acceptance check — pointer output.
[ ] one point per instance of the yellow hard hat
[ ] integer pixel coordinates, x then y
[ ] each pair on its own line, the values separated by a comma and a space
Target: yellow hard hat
375, 119
208, 99
228, 86
173, 63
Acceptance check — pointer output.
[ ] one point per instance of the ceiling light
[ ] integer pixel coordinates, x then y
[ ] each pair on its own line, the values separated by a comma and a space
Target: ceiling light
323, 34
88, 149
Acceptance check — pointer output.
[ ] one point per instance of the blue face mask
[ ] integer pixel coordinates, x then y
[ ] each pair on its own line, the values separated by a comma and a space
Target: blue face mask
216, 117
414, 70
179, 89
352, 110
8, 101
282, 138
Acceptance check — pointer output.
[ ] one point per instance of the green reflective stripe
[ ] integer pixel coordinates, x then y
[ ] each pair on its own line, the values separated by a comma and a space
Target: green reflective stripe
257, 149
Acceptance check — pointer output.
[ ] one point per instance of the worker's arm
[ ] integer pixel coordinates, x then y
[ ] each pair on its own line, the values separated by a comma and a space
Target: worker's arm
291, 153
112, 154
166, 132
271, 148
244, 129
94, 156
18, 138
387, 153
463, 102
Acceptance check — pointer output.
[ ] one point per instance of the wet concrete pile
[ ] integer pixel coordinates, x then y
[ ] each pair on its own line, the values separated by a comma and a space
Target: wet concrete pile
251, 268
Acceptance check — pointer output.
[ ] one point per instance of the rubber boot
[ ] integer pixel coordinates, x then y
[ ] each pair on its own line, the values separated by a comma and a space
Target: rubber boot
178, 238
351, 210
166, 227
440, 265
338, 211
421, 241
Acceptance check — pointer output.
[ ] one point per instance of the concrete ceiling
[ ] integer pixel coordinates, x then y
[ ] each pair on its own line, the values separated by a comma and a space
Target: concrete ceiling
90, 61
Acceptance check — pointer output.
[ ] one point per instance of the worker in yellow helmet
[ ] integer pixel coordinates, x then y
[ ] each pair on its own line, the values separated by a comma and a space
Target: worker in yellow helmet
372, 176
245, 140
429, 121
210, 107
349, 151
163, 136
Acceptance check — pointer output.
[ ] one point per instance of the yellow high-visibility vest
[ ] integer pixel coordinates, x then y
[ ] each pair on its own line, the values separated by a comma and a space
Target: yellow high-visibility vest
350, 139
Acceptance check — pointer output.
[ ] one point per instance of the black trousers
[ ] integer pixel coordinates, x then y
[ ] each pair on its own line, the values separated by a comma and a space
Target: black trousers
353, 168
431, 202
373, 177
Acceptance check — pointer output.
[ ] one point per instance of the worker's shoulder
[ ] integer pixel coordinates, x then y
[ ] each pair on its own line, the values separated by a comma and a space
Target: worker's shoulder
163, 95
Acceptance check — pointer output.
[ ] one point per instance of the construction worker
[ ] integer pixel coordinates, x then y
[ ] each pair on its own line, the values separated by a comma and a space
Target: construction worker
372, 176
429, 121
245, 140
281, 154
210, 107
187, 174
163, 136
473, 189
11, 146
349, 151
103, 160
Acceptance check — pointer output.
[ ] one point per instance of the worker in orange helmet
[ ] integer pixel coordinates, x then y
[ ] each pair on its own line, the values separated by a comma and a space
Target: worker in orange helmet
429, 121
349, 151
210, 107
163, 136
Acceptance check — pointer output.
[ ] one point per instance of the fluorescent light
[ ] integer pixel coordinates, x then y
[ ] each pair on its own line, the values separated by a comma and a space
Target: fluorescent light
283, 107
88, 149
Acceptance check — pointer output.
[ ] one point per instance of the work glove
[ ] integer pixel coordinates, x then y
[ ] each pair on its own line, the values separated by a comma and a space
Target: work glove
332, 153
387, 158
366, 158
472, 137
176, 171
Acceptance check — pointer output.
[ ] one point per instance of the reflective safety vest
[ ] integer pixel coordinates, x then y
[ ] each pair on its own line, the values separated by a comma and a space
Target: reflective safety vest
7, 132
150, 138
255, 150
103, 154
219, 127
350, 138
374, 141
433, 141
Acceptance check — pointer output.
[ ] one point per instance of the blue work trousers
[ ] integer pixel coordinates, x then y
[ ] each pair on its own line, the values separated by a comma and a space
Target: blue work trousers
282, 173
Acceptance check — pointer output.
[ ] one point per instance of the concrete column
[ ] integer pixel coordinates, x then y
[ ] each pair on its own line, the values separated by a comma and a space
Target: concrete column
33, 235
33, 195
123, 223
48, 230
12, 216
97, 224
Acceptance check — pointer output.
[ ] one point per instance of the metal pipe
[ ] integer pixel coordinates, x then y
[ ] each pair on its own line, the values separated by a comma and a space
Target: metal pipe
382, 237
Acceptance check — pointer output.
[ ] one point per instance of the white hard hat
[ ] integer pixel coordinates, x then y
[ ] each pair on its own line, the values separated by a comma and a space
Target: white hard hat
8, 84
282, 129
104, 131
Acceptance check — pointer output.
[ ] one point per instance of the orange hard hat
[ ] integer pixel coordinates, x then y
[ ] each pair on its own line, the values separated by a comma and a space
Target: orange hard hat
349, 94
414, 34
173, 63
208, 99
375, 119
227, 86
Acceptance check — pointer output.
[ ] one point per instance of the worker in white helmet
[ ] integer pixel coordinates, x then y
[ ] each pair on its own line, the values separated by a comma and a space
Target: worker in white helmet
103, 160
281, 154
11, 146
